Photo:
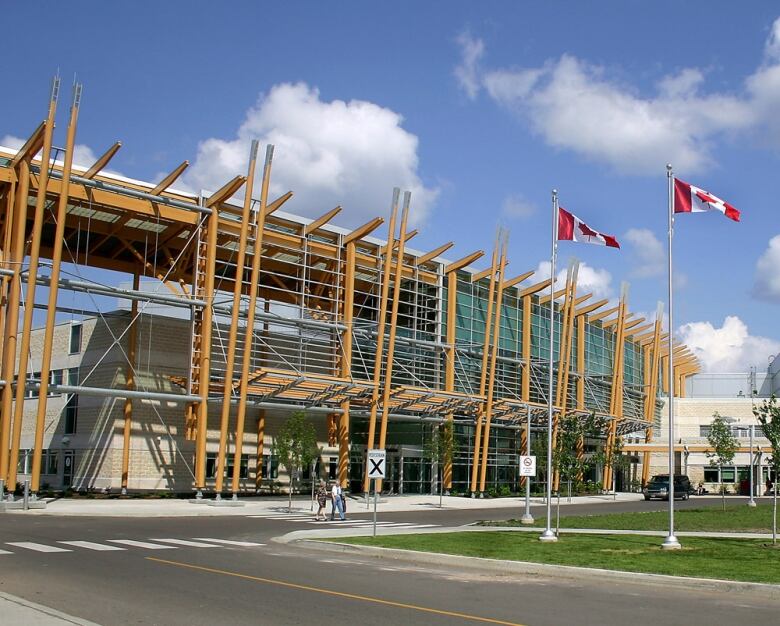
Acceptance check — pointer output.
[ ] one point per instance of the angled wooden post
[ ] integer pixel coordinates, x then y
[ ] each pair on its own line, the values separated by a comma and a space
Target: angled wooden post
15, 288
130, 385
380, 333
493, 361
238, 285
56, 266
257, 252
388, 381
616, 398
346, 361
484, 370
260, 449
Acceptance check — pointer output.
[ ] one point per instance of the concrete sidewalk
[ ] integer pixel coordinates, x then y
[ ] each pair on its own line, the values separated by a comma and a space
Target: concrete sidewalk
15, 610
300, 505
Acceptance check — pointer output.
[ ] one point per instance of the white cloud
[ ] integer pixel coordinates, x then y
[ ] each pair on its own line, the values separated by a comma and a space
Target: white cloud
576, 105
471, 53
730, 348
516, 206
766, 284
649, 252
328, 153
597, 281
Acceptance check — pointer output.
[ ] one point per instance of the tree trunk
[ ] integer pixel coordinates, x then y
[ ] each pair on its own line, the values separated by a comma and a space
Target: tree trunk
774, 513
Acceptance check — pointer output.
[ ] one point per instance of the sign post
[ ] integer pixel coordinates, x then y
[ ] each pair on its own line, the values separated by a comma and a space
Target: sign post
376, 469
528, 469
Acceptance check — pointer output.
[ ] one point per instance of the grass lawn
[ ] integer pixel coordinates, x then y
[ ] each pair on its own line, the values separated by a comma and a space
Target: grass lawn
736, 518
730, 559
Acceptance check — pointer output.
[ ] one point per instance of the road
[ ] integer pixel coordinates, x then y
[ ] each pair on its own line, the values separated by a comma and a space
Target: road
187, 571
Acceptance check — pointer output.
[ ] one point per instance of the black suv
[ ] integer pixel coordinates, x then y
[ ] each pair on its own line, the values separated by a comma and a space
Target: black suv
658, 487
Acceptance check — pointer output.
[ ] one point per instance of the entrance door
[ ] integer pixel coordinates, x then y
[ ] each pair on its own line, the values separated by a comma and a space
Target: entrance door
67, 468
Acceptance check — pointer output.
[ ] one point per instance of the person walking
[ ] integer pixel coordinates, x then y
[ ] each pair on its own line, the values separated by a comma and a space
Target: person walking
338, 505
322, 499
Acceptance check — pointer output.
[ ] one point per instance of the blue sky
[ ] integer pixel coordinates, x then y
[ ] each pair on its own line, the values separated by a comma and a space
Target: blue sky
479, 108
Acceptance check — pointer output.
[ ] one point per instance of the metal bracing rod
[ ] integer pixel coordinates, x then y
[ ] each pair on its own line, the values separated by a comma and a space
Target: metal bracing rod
83, 286
115, 393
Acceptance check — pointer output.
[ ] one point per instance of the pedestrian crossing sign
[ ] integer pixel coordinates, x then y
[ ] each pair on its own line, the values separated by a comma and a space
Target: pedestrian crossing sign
376, 463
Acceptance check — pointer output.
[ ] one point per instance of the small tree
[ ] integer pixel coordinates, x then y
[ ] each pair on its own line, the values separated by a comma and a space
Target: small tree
439, 449
296, 446
768, 415
724, 446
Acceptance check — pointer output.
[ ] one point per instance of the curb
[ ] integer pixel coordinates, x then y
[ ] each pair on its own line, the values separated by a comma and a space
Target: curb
567, 572
28, 607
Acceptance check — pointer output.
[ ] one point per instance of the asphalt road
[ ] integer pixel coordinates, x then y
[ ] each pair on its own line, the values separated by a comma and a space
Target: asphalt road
110, 581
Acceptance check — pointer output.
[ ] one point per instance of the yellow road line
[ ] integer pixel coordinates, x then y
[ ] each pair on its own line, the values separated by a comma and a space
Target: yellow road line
329, 592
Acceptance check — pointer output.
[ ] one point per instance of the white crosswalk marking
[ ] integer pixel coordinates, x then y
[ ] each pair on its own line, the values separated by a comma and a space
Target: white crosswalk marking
5, 552
141, 544
91, 545
37, 547
189, 544
230, 542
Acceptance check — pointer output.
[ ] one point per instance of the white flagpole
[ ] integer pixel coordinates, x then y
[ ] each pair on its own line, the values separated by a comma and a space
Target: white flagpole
548, 534
671, 542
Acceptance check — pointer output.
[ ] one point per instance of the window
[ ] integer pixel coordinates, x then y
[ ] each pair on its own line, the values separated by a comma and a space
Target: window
50, 462
711, 475
211, 466
333, 468
73, 376
270, 466
75, 339
71, 414
25, 461
728, 475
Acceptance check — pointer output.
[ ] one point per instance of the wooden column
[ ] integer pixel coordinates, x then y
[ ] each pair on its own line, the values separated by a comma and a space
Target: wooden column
238, 285
484, 370
10, 331
260, 450
380, 336
59, 234
616, 399
346, 362
130, 385
15, 287
204, 371
492, 373
449, 366
257, 251
388, 382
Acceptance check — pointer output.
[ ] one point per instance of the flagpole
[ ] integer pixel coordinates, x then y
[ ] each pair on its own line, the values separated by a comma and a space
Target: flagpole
671, 542
548, 534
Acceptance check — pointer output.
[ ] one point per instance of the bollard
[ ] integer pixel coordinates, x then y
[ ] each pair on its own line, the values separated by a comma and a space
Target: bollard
26, 504
2, 489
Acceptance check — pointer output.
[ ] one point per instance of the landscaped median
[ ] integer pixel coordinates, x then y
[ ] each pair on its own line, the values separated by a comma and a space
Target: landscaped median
737, 559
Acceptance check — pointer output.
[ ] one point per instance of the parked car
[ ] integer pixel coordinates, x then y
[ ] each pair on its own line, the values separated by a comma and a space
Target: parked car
658, 487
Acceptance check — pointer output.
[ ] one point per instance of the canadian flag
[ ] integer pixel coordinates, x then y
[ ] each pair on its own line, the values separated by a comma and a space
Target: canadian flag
691, 199
572, 228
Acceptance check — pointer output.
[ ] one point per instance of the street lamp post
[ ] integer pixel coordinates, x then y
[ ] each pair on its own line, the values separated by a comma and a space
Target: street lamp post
527, 517
751, 501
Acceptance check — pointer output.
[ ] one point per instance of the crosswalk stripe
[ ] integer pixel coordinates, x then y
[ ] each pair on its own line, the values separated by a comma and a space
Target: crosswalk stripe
230, 542
37, 547
91, 545
5, 552
184, 542
141, 544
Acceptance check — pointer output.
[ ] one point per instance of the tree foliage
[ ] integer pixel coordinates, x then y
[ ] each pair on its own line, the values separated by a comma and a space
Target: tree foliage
296, 444
768, 415
724, 446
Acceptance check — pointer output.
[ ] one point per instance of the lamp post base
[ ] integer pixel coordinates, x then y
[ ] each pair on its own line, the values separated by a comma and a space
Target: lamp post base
671, 543
527, 519
752, 503
548, 536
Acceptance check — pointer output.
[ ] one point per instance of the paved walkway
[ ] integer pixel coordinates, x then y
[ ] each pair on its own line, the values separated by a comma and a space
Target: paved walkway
16, 610
257, 506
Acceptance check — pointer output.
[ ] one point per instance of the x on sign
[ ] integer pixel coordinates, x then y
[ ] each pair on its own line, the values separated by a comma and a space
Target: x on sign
376, 463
